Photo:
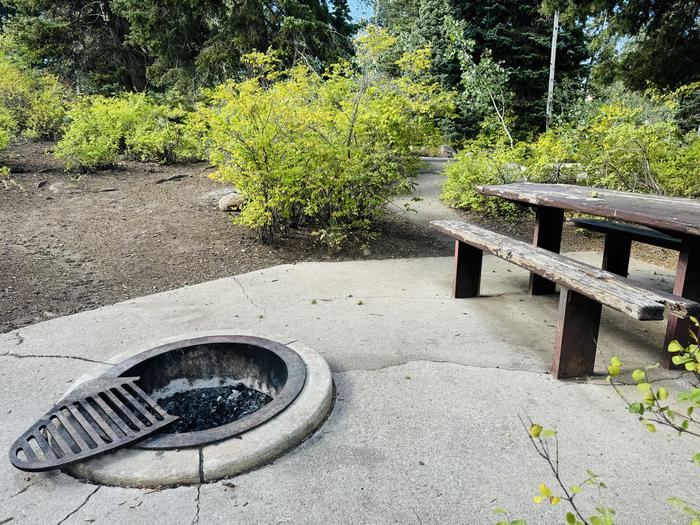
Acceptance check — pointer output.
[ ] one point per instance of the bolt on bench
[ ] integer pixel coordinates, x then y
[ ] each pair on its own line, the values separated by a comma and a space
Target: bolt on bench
584, 289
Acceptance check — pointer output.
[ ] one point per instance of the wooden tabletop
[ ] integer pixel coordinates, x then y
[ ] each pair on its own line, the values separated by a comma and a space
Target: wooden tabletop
656, 211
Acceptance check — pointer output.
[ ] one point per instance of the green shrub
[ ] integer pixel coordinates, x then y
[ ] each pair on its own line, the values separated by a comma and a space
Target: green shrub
479, 164
328, 152
36, 102
102, 128
633, 143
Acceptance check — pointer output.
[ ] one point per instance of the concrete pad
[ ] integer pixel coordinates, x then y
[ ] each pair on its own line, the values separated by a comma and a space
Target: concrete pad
420, 377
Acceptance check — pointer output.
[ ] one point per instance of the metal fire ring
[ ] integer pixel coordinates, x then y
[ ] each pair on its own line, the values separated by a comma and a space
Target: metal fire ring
296, 377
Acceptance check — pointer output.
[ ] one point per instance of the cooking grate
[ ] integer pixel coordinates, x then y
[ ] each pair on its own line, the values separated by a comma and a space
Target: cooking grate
96, 417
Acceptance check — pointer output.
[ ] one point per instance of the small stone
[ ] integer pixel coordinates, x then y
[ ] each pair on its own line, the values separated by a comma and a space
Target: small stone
231, 202
212, 198
447, 151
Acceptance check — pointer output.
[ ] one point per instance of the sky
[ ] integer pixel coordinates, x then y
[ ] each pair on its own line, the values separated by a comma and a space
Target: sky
359, 9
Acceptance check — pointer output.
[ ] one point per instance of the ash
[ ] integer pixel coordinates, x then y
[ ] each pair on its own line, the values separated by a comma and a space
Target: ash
204, 408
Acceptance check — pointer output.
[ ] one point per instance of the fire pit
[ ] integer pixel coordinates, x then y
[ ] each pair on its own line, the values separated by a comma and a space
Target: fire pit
196, 380
241, 401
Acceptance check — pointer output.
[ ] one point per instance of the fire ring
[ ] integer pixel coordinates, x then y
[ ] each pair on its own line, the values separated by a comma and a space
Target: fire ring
166, 460
216, 360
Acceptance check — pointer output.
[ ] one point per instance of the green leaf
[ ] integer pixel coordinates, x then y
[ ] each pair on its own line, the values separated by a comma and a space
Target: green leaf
549, 433
661, 394
639, 375
675, 346
643, 387
636, 408
576, 489
535, 430
595, 520
570, 518
499, 510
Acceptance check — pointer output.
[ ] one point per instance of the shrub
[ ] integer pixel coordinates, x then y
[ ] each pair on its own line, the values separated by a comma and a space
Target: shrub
632, 143
324, 151
479, 164
35, 101
102, 128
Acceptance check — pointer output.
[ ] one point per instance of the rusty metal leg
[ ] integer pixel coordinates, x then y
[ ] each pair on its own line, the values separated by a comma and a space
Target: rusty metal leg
616, 255
687, 285
577, 335
548, 228
467, 277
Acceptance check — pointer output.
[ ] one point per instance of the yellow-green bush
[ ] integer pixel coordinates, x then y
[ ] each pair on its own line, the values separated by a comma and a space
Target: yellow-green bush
618, 145
324, 151
479, 164
35, 101
100, 129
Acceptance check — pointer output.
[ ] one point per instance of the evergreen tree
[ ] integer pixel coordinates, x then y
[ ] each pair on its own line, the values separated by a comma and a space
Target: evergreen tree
519, 38
663, 40
82, 41
110, 45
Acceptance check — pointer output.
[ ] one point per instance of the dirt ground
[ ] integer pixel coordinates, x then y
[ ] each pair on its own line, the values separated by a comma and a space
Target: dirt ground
76, 243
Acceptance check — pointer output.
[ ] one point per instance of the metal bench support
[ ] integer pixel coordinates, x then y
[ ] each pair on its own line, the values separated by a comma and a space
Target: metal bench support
467, 275
577, 335
616, 255
548, 228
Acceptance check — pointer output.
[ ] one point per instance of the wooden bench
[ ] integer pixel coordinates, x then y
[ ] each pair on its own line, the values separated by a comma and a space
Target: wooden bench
618, 241
584, 289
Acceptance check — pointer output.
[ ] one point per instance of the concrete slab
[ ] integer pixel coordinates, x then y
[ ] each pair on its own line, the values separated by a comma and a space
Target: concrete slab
425, 426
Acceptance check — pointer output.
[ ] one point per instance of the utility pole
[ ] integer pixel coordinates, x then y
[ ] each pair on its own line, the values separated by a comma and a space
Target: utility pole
552, 63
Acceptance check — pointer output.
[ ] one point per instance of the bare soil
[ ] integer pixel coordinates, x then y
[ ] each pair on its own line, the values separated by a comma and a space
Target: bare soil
71, 243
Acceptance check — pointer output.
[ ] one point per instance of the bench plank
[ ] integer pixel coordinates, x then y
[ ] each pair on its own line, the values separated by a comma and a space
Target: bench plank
633, 233
599, 285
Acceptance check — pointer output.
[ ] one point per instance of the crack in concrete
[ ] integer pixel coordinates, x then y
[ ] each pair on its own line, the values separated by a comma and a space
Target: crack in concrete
85, 501
250, 299
22, 490
52, 356
437, 361
195, 520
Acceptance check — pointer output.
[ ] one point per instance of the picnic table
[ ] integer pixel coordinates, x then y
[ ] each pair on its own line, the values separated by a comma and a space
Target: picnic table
673, 216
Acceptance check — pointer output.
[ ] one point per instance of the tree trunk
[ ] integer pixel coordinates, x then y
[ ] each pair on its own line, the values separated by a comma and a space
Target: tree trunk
552, 64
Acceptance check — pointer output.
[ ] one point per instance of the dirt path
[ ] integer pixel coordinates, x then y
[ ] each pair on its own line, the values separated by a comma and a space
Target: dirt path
75, 244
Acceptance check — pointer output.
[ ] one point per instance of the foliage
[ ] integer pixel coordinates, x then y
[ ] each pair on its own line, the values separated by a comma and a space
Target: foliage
34, 103
83, 42
479, 164
110, 46
655, 409
102, 128
628, 142
325, 151
651, 29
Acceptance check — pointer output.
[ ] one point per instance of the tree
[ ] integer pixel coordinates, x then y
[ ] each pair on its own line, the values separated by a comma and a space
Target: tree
109, 46
663, 40
82, 41
519, 38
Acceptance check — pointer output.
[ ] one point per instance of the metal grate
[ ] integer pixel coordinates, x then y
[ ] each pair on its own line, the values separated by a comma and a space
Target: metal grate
96, 417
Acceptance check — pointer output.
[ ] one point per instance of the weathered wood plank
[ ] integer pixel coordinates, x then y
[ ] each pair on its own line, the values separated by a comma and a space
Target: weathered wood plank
656, 211
599, 285
632, 233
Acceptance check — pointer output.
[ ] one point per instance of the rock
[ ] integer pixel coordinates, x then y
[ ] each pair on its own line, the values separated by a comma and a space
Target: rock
213, 197
447, 151
231, 202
